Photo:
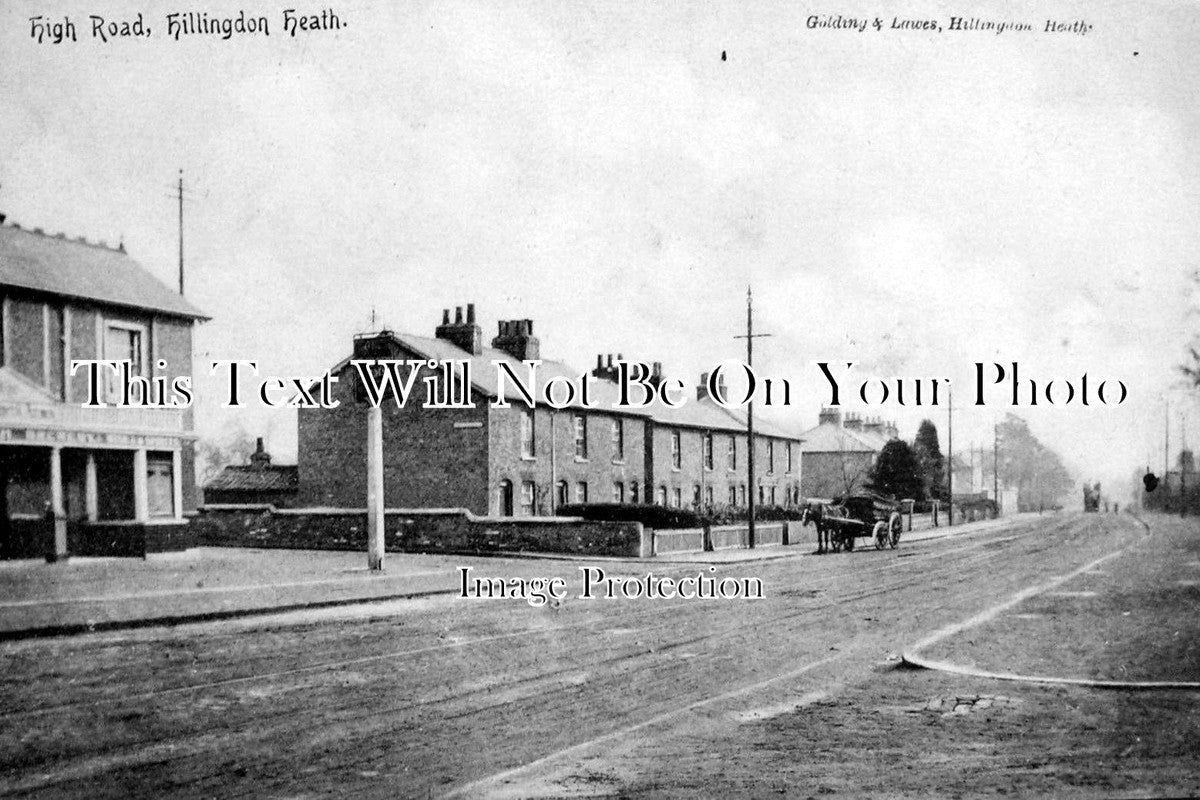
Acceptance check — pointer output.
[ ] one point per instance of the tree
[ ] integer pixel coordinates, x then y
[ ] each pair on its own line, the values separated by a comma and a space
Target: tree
896, 471
234, 446
1037, 471
931, 464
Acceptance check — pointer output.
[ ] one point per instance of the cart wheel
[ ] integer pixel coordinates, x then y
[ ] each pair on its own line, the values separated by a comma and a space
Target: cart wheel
880, 534
896, 523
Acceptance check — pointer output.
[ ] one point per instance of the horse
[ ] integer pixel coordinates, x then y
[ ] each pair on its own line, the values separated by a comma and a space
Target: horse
816, 512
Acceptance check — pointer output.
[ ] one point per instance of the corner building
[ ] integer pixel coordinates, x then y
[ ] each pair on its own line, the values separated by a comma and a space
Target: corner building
521, 461
109, 480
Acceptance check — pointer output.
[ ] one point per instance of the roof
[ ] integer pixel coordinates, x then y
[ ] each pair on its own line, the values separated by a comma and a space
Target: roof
604, 395
80, 269
831, 438
16, 388
254, 478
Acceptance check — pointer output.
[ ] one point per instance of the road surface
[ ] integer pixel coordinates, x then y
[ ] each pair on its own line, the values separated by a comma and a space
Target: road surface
799, 693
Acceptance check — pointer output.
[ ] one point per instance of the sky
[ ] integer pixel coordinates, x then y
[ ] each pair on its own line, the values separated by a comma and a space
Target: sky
913, 201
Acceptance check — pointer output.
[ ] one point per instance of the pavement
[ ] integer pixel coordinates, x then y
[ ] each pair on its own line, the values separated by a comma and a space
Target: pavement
208, 583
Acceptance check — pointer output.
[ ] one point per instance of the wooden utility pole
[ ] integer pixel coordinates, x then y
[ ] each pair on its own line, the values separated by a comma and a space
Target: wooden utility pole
750, 337
1183, 464
950, 455
375, 488
996, 464
179, 194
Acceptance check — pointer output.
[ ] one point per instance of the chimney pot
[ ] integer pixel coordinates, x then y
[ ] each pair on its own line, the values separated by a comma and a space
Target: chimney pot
458, 315
470, 313
610, 360
529, 327
599, 361
445, 316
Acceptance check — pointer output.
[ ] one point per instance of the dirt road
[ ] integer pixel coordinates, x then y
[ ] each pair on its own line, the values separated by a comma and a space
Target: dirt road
795, 694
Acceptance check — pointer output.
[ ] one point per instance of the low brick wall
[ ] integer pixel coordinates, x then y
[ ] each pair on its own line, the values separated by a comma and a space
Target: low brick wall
725, 537
33, 538
415, 531
687, 540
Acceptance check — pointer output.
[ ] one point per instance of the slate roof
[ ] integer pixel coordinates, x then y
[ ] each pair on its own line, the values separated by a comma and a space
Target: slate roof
703, 414
831, 438
251, 477
78, 269
16, 388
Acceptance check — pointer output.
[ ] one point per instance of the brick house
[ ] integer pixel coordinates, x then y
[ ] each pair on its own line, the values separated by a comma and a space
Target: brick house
118, 480
519, 461
840, 452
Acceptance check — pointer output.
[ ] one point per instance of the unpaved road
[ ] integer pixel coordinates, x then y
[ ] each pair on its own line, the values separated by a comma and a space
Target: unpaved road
797, 694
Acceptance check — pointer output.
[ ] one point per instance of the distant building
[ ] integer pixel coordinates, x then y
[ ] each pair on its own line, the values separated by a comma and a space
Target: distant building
109, 480
260, 481
519, 461
840, 452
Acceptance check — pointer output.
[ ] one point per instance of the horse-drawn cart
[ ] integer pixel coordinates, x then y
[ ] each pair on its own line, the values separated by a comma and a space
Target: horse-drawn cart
847, 518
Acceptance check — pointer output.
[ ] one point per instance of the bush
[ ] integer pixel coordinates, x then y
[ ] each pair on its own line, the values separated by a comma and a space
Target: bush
651, 516
663, 518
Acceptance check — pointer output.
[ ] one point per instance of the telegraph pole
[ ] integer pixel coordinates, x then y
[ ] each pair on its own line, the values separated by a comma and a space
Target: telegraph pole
179, 194
950, 455
750, 337
1183, 464
996, 464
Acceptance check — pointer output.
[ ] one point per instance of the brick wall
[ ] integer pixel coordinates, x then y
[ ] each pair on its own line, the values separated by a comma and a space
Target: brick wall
433, 458
415, 531
27, 342
691, 472
600, 470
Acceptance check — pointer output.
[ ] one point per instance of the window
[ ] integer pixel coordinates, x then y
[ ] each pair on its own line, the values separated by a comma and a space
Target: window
528, 493
676, 450
124, 342
618, 492
761, 494
618, 439
789, 456
633, 492
708, 496
581, 492
708, 451
676, 497
581, 444
772, 495
662, 495
770, 456
561, 497
733, 495
732, 460
527, 433
742, 495
696, 495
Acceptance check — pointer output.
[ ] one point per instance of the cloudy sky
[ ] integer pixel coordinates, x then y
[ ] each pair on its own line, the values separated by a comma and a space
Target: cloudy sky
913, 201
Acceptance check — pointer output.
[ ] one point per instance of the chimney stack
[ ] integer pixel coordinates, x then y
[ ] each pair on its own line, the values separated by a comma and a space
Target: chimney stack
260, 458
516, 338
702, 388
464, 335
830, 416
606, 371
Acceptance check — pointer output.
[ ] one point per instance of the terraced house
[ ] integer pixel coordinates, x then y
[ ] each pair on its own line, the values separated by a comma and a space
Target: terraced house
522, 461
89, 481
